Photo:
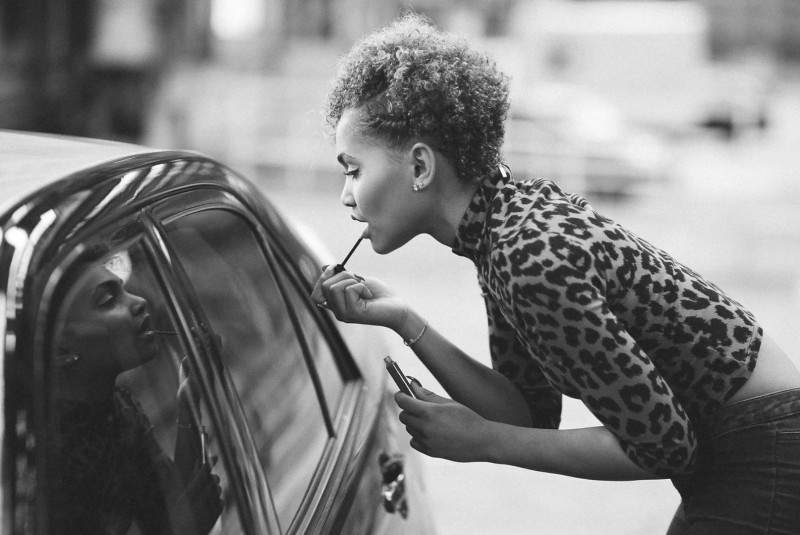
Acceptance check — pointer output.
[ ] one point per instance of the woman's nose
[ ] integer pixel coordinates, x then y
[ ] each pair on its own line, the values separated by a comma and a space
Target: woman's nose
138, 304
347, 194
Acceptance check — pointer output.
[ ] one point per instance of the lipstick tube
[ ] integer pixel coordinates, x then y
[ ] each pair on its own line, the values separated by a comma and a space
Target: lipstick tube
398, 376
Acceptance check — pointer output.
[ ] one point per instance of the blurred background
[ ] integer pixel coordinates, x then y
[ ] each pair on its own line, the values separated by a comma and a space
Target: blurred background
680, 119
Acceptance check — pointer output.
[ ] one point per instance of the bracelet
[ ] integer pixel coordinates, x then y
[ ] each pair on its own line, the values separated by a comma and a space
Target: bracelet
415, 340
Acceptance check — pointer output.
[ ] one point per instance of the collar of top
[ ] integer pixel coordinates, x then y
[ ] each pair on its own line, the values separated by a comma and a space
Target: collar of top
471, 230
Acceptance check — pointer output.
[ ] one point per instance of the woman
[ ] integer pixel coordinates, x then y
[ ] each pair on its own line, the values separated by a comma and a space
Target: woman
684, 380
108, 473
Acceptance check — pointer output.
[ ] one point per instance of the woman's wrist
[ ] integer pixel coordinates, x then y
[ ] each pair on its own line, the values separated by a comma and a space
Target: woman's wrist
490, 443
411, 326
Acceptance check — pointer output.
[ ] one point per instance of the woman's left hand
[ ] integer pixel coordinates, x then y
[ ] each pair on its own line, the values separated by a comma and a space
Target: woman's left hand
441, 427
200, 504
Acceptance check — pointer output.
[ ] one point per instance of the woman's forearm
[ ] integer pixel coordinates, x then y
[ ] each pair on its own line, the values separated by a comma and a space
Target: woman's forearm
466, 380
586, 453
188, 449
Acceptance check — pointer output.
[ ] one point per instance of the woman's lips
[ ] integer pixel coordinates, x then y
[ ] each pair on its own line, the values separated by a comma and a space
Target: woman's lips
144, 327
366, 230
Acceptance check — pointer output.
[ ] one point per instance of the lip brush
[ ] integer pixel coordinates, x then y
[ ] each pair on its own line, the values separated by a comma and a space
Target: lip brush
340, 267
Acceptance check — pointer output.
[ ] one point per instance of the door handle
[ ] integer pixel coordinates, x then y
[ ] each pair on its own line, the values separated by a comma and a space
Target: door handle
393, 487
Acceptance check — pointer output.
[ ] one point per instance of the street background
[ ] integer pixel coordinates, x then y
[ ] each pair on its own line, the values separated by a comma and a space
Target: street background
679, 119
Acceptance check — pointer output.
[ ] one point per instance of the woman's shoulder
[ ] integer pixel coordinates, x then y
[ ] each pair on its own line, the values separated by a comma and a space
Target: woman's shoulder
538, 213
551, 191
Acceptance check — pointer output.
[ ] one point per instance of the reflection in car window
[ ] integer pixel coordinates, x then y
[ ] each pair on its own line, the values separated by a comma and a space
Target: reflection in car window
127, 451
240, 295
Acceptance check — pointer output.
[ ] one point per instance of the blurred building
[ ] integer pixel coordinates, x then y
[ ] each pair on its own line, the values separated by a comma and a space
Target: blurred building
80, 66
90, 66
768, 26
40, 50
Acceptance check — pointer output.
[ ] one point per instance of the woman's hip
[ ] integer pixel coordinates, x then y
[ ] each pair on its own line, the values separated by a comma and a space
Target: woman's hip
747, 477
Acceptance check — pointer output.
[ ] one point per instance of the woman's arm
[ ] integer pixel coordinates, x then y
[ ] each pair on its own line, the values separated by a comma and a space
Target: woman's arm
587, 453
473, 384
443, 428
466, 380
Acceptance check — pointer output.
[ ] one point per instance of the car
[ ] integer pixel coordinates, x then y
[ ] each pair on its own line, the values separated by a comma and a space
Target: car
579, 139
164, 368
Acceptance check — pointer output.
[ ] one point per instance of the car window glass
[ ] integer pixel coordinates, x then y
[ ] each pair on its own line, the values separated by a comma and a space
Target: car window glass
246, 309
128, 451
321, 352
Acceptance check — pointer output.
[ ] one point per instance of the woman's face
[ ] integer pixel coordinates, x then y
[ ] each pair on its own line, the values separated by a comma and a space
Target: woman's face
107, 326
378, 187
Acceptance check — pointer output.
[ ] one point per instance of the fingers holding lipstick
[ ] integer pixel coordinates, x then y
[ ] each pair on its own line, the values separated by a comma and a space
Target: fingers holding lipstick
332, 281
355, 299
347, 299
318, 295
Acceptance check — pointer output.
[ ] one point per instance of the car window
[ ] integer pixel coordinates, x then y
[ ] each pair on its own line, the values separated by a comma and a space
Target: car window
244, 300
322, 354
132, 448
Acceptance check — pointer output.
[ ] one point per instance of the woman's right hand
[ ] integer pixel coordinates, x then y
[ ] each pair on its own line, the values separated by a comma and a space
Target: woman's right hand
355, 299
200, 504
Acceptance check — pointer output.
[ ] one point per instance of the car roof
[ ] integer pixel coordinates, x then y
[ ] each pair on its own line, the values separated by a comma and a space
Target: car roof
31, 160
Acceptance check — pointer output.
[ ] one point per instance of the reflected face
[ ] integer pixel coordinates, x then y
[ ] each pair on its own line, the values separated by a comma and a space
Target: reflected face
108, 326
378, 187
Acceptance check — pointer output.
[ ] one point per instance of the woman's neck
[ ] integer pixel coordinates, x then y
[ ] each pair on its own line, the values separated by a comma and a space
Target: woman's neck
93, 391
454, 196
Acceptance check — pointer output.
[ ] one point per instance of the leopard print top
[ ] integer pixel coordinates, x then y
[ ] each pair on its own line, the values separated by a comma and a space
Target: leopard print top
580, 306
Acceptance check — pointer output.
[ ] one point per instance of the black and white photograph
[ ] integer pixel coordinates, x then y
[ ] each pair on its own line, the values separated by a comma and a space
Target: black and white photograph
384, 267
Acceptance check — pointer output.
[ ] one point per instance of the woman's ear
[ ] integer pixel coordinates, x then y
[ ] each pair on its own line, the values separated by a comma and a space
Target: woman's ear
423, 159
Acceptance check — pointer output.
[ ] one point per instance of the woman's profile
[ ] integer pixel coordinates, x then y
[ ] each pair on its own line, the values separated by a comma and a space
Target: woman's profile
685, 381
108, 472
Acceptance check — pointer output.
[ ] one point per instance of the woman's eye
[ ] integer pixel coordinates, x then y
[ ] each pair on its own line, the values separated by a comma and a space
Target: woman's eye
107, 297
352, 173
105, 300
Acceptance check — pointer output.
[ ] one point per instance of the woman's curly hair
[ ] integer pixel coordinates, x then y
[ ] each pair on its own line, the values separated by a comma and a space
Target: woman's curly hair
412, 80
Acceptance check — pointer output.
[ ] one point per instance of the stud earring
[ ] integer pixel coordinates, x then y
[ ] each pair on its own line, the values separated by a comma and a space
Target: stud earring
71, 360
417, 186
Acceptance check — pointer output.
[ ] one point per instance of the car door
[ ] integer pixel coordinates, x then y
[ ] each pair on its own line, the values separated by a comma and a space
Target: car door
79, 465
242, 295
318, 430
281, 424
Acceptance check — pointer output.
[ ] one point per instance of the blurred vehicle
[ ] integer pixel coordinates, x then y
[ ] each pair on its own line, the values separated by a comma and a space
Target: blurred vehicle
571, 135
650, 59
292, 409
739, 95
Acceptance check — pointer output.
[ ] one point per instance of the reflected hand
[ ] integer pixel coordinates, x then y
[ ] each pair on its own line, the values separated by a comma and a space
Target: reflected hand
188, 394
200, 504
441, 427
355, 299
189, 444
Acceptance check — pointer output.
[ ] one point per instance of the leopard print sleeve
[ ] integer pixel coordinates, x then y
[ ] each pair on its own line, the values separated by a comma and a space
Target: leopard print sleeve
510, 358
557, 301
